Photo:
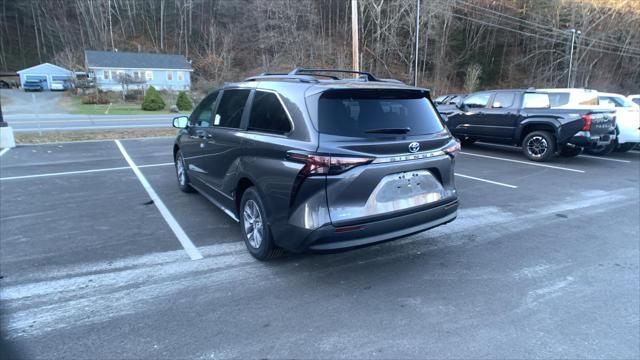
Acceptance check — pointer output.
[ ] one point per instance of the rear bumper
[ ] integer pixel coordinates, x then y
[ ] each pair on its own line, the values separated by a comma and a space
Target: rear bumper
328, 237
587, 140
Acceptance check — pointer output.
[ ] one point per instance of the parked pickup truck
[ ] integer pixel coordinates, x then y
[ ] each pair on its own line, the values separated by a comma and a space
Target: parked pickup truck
524, 117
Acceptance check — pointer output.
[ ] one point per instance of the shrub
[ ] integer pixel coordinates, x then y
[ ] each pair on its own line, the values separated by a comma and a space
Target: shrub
183, 103
95, 99
152, 100
133, 95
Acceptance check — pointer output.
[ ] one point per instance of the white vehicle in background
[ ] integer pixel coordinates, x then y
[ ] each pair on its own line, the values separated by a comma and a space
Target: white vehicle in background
635, 99
627, 114
627, 120
57, 85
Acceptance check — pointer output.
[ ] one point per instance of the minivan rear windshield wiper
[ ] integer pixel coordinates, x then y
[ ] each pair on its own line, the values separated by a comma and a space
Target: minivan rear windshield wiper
389, 131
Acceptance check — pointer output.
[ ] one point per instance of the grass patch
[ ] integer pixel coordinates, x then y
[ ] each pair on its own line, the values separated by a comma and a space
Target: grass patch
80, 135
75, 106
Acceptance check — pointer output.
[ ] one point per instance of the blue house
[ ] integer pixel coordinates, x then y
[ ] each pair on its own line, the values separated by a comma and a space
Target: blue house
162, 71
45, 73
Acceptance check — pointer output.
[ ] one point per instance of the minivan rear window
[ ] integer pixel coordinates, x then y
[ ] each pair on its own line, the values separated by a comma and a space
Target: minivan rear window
368, 113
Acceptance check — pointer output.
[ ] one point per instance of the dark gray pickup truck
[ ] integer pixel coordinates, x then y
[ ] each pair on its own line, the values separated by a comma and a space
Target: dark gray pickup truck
523, 117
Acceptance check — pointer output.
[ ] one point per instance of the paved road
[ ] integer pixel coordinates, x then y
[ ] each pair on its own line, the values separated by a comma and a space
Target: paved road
548, 269
58, 122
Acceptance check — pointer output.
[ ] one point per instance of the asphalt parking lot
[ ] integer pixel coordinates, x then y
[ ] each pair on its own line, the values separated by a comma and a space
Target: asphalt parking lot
543, 261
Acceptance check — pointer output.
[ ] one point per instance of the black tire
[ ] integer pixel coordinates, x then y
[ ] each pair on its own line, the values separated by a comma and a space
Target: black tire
539, 146
570, 150
182, 177
254, 227
624, 147
603, 150
465, 141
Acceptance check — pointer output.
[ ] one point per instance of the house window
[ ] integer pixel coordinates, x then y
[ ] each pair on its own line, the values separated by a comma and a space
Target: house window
180, 75
169, 75
105, 75
114, 74
136, 75
148, 75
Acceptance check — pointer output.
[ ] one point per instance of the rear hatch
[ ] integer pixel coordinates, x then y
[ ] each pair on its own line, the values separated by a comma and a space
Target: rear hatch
396, 140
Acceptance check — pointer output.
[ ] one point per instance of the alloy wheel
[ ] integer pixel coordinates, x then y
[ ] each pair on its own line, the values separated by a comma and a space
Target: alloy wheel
253, 228
537, 146
182, 178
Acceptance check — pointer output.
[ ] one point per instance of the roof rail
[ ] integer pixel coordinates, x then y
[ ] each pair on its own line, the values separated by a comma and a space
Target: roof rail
272, 76
300, 71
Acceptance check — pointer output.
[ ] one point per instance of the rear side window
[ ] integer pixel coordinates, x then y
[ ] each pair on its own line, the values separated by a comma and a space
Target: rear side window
268, 115
477, 100
229, 112
535, 101
356, 113
503, 100
558, 98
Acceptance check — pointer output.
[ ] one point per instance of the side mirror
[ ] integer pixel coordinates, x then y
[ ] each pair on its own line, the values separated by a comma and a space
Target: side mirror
180, 122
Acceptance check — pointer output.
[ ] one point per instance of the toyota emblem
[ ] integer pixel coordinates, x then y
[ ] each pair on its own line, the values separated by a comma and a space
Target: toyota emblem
414, 147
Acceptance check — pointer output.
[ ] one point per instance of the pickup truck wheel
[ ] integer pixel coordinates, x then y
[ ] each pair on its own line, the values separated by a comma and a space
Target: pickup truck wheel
539, 146
570, 150
624, 147
603, 150
256, 231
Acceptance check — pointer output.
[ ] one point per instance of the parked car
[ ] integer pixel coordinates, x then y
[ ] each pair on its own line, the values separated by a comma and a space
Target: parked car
635, 99
627, 122
58, 85
32, 85
627, 115
447, 99
305, 163
524, 117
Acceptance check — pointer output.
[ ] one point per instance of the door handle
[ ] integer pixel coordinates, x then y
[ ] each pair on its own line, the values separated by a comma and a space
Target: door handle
201, 134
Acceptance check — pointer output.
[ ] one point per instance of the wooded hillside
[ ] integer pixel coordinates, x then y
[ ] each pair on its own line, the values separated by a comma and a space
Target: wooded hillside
463, 43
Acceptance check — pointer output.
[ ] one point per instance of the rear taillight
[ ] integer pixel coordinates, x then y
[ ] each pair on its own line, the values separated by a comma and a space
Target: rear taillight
326, 164
587, 122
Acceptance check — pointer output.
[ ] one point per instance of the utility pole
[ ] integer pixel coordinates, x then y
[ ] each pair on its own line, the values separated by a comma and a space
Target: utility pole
573, 40
415, 70
355, 61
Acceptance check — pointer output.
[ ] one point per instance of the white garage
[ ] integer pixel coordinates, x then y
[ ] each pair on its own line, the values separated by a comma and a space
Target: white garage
46, 73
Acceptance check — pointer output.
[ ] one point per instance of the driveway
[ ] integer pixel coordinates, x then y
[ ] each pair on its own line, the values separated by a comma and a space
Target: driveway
19, 102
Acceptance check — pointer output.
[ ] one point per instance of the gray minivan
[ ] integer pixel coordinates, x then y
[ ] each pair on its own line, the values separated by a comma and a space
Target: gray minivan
309, 161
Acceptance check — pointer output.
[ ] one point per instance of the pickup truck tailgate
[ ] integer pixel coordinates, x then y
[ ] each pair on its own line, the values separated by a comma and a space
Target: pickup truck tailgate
602, 122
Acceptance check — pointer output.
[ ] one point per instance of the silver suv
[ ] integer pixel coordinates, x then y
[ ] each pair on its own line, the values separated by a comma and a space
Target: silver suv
308, 161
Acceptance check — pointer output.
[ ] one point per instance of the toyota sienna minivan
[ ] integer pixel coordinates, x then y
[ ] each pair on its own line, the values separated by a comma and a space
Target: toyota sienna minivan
306, 161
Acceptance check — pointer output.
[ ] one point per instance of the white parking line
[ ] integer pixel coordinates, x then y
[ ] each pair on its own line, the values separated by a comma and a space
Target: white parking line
188, 246
487, 181
3, 151
604, 158
524, 162
78, 172
585, 156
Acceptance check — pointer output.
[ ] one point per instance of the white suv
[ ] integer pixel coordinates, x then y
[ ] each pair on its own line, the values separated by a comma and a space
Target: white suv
627, 114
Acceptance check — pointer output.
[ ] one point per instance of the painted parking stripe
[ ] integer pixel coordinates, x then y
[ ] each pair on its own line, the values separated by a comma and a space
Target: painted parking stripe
523, 162
603, 158
188, 246
585, 156
486, 181
4, 151
78, 172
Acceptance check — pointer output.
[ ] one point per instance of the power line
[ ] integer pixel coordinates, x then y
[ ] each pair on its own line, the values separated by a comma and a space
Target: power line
533, 26
542, 37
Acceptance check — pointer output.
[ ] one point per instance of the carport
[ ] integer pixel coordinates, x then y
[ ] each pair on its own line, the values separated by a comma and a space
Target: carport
46, 73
